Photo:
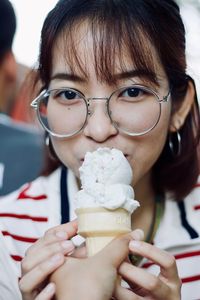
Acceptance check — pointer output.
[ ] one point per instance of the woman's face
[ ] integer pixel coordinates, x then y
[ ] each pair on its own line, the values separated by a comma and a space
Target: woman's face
141, 151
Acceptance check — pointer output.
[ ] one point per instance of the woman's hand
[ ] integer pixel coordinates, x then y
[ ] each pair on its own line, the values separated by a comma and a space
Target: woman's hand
43, 258
144, 285
94, 277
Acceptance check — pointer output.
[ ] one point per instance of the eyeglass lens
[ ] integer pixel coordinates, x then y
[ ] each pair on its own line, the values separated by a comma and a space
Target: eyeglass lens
133, 109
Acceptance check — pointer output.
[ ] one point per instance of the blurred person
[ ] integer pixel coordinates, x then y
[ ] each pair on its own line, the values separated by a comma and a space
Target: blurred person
25, 91
134, 96
21, 151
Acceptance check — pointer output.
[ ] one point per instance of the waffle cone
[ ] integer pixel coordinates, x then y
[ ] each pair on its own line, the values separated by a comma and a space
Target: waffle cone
99, 226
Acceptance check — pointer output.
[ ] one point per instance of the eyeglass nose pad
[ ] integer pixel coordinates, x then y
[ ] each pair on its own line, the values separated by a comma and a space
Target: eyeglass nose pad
89, 112
89, 105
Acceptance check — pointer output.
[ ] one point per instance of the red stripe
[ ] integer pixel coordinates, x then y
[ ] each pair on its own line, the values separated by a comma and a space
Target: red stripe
197, 185
147, 265
25, 217
23, 195
20, 238
187, 254
197, 207
16, 257
177, 256
190, 279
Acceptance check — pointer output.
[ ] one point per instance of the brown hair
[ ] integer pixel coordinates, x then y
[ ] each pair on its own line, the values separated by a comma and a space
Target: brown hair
132, 26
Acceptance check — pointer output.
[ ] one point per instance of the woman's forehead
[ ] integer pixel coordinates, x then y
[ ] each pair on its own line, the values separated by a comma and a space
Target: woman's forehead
82, 53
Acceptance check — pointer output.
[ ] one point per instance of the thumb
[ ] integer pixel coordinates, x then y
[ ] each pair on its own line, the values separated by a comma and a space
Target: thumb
118, 249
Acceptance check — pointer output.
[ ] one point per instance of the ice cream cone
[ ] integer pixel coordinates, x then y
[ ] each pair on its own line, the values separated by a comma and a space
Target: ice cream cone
99, 226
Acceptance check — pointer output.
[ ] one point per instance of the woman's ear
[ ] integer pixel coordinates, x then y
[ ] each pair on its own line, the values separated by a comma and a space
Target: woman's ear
179, 116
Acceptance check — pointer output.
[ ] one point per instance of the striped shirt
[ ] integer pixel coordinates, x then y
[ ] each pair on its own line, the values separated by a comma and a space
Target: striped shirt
27, 213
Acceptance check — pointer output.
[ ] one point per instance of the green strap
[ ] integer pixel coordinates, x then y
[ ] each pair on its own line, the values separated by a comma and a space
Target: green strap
158, 214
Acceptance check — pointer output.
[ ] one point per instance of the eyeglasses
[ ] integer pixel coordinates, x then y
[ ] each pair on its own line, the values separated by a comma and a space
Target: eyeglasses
133, 110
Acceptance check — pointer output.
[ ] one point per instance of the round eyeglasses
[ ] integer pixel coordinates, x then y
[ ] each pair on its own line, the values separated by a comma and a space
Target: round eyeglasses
133, 110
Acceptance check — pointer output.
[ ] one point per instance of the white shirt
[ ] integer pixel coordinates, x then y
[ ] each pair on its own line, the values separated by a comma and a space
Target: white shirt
26, 214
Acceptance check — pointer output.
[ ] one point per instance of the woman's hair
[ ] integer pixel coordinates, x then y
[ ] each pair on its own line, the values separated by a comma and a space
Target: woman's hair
134, 27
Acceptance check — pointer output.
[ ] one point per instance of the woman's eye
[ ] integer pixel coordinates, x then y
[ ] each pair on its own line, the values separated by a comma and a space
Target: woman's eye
132, 92
66, 95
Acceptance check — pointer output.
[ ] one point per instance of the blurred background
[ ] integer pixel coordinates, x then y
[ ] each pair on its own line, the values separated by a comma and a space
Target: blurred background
30, 16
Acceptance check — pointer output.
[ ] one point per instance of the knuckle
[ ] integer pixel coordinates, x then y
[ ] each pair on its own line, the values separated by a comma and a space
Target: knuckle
42, 268
25, 265
170, 261
49, 231
53, 249
153, 284
22, 286
29, 250
48, 235
48, 251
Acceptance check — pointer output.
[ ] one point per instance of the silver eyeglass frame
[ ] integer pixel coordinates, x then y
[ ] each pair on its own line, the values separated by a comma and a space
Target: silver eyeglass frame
45, 93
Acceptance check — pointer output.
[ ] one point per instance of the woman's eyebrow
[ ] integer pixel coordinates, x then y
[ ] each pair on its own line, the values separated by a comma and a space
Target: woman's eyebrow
127, 74
141, 73
68, 76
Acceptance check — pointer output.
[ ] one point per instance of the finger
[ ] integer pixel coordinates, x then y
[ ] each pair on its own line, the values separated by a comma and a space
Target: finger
125, 294
36, 276
118, 249
137, 234
31, 261
69, 228
47, 293
165, 260
80, 252
145, 280
58, 233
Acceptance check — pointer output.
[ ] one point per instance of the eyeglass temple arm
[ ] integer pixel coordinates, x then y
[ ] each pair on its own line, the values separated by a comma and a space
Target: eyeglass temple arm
34, 103
166, 98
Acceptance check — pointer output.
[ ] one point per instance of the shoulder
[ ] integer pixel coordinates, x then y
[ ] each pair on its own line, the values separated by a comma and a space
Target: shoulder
27, 213
189, 207
39, 189
180, 224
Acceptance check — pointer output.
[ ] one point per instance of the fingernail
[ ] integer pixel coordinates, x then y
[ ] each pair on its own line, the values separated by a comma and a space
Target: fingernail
134, 244
61, 234
56, 258
50, 288
138, 234
67, 245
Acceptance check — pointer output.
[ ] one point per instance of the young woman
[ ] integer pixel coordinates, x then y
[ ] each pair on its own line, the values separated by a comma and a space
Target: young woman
115, 76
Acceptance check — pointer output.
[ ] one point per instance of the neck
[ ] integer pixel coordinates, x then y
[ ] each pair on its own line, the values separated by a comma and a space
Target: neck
143, 216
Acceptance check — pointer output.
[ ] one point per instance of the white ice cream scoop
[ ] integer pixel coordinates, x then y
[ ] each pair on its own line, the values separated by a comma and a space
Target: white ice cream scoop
105, 178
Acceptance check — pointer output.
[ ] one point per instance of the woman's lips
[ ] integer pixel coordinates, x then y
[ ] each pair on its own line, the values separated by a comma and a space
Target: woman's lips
82, 159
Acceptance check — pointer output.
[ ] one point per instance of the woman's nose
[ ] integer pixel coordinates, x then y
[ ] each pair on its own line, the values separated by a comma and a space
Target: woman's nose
99, 126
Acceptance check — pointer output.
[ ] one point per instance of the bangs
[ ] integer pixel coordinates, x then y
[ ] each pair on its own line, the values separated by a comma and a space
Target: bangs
113, 42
